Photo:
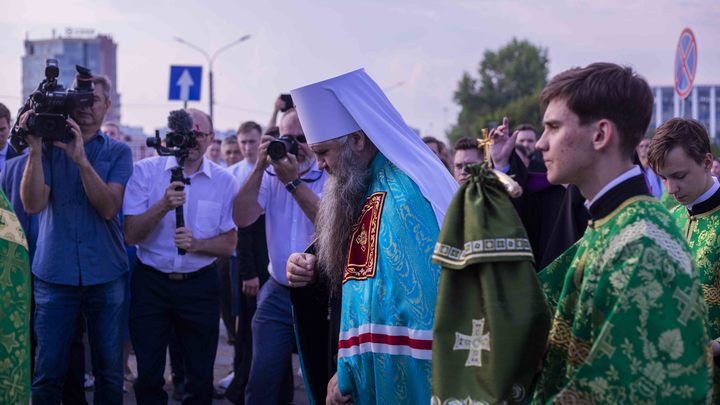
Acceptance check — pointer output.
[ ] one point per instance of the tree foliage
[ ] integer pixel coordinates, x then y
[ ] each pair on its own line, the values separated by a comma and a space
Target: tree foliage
509, 82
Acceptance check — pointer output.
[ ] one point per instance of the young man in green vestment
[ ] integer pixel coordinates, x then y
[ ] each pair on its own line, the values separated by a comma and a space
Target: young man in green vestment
628, 315
680, 154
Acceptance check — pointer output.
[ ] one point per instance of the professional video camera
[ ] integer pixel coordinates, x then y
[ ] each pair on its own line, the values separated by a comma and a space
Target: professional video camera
53, 104
280, 147
178, 143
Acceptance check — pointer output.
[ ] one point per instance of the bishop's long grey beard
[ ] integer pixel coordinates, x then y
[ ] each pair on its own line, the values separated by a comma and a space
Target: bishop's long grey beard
339, 207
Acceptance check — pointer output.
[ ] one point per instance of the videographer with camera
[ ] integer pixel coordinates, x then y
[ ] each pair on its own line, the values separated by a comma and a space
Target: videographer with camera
175, 284
289, 194
76, 186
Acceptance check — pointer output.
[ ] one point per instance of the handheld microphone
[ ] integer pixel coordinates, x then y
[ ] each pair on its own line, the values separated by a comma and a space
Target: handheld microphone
180, 121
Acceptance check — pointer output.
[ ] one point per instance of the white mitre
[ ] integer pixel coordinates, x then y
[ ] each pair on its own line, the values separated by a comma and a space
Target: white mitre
347, 103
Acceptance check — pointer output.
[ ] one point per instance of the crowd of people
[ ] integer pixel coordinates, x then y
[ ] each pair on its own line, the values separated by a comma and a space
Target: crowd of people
337, 232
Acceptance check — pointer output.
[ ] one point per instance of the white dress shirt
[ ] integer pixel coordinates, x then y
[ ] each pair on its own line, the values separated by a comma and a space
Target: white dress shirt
207, 211
241, 171
288, 229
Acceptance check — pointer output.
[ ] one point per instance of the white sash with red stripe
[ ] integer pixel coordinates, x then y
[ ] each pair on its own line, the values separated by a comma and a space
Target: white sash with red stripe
396, 340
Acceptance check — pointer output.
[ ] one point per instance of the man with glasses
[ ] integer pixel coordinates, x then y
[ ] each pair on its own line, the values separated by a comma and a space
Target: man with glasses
288, 191
466, 153
172, 291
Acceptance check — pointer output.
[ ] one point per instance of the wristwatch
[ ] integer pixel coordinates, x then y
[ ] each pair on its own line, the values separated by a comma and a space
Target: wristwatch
291, 186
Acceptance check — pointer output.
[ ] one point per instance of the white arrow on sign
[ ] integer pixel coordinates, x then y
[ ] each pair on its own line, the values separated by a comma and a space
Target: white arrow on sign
185, 82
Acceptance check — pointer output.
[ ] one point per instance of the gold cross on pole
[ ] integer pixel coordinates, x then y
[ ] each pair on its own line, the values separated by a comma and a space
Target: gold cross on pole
485, 143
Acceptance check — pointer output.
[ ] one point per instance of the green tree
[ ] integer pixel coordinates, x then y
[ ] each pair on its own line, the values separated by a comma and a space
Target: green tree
509, 82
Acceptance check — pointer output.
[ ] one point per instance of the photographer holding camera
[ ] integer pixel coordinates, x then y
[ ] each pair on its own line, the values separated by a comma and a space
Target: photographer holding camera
288, 193
80, 263
176, 289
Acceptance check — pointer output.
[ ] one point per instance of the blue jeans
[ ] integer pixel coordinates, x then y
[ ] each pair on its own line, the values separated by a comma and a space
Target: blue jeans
273, 339
56, 310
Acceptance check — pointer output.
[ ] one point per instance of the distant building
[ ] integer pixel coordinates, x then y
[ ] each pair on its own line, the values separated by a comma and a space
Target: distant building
703, 104
77, 47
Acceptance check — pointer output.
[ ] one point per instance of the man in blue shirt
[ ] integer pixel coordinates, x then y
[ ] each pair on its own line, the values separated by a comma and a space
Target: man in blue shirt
76, 188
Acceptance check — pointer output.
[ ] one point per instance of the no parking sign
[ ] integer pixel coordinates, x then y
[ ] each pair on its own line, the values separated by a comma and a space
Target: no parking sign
685, 63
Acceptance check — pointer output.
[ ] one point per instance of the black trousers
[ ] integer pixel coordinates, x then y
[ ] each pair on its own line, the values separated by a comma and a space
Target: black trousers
190, 307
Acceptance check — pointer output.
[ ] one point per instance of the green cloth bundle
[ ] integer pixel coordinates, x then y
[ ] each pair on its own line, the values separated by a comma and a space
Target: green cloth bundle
491, 318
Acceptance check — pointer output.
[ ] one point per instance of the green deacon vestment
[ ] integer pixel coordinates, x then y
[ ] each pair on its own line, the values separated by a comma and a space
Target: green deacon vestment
14, 309
628, 325
701, 227
491, 319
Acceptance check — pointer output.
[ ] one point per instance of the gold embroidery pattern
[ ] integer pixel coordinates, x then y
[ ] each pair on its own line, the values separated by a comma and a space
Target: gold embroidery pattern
571, 397
561, 335
362, 240
10, 228
712, 294
363, 249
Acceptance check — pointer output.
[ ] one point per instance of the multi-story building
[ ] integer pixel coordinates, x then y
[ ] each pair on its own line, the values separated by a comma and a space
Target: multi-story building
76, 47
703, 104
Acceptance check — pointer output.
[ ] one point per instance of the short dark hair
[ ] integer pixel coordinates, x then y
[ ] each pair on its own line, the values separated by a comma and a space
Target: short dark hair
5, 113
248, 126
526, 127
606, 90
430, 139
687, 133
229, 140
465, 143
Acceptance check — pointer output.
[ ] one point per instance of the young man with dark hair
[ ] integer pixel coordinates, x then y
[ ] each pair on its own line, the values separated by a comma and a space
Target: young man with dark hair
466, 154
680, 154
628, 319
248, 138
250, 267
214, 154
230, 150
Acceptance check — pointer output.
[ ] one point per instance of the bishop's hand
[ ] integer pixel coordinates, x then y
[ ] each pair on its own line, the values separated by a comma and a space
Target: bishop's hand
300, 269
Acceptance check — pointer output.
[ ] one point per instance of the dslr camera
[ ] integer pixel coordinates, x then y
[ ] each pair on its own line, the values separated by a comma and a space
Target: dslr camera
53, 104
280, 147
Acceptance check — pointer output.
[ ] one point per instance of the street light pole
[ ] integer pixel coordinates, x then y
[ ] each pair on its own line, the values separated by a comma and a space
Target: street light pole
210, 59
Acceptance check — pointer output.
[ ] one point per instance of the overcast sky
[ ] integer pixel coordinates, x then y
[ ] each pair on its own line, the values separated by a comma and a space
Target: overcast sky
416, 49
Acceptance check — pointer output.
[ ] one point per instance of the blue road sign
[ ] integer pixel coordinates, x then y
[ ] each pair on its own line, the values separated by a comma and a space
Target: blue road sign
685, 63
185, 83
